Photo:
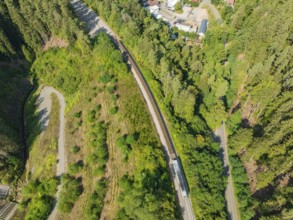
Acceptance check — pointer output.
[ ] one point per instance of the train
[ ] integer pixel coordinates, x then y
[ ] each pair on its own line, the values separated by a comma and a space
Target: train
175, 161
179, 174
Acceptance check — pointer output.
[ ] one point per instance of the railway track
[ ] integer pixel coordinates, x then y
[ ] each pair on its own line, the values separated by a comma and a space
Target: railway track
164, 135
95, 24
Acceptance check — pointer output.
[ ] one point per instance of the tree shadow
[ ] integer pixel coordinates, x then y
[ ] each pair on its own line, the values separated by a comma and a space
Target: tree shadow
258, 130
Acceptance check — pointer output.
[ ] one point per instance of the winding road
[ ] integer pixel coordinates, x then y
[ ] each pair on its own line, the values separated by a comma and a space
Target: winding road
233, 213
95, 24
44, 105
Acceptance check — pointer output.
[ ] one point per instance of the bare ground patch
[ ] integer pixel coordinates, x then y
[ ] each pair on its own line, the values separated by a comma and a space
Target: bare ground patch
251, 169
55, 42
248, 111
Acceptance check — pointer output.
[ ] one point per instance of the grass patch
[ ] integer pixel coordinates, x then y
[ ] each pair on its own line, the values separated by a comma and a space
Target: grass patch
42, 147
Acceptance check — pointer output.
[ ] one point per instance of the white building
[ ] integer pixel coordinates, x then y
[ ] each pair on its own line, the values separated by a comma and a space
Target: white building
171, 4
154, 9
183, 27
157, 16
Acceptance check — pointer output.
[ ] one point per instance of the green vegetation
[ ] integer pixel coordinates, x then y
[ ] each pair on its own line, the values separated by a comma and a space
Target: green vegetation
75, 149
228, 79
42, 159
27, 26
71, 190
192, 3
95, 204
173, 71
125, 144
178, 8
76, 167
241, 74
12, 94
56, 67
97, 141
37, 195
38, 198
245, 202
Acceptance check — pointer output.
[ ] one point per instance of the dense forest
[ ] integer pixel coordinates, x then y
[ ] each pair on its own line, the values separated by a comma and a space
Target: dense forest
241, 74
26, 26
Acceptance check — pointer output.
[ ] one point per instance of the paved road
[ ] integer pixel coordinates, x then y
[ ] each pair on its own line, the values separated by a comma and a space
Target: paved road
95, 24
44, 106
233, 213
213, 8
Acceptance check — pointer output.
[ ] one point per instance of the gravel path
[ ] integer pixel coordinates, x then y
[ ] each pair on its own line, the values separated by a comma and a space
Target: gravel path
44, 106
233, 213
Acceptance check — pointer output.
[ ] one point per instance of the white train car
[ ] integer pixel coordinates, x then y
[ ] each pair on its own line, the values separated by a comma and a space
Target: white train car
180, 177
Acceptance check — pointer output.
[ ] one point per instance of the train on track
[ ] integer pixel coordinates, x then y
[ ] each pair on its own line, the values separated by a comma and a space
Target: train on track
179, 174
175, 162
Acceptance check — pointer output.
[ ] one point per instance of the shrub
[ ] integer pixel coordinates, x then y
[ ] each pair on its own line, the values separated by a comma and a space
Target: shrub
114, 110
97, 108
78, 114
130, 139
37, 196
121, 141
75, 167
114, 97
79, 123
39, 208
105, 78
95, 204
111, 89
114, 80
71, 190
75, 149
124, 144
65, 207
92, 158
100, 171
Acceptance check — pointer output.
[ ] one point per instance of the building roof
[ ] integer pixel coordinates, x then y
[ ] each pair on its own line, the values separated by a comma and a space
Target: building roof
172, 3
203, 26
183, 27
154, 9
152, 2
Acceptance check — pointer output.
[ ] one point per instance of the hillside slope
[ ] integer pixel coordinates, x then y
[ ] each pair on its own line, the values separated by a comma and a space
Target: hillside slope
242, 74
263, 141
12, 94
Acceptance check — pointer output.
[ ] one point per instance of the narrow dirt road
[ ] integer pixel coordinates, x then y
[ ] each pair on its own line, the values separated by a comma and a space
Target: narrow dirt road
233, 213
44, 106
